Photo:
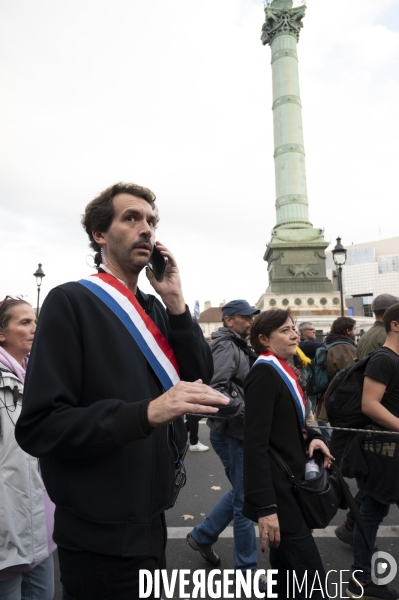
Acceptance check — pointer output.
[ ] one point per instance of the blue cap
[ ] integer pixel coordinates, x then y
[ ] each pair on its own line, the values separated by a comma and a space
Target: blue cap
238, 307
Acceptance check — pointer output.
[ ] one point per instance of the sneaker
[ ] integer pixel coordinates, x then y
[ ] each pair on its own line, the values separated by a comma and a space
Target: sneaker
262, 582
371, 591
198, 447
343, 534
206, 550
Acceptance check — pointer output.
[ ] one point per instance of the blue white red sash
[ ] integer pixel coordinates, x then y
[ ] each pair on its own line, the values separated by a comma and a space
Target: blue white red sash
289, 378
142, 328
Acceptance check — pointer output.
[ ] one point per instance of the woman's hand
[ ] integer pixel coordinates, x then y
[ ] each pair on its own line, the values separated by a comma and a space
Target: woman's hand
269, 528
318, 444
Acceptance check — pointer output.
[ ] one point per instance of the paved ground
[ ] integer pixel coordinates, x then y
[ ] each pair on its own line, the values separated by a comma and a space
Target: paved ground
196, 501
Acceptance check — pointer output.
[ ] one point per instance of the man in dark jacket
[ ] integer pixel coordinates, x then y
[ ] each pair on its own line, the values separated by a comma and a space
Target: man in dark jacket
95, 409
375, 337
308, 343
233, 358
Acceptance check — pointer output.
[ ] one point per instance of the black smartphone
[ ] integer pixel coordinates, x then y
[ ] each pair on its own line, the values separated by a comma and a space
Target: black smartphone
157, 264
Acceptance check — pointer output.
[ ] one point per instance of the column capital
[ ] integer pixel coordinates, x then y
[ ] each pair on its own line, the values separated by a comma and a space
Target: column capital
282, 19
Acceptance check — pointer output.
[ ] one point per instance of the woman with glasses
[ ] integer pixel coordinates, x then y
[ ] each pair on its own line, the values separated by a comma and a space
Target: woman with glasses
275, 418
26, 512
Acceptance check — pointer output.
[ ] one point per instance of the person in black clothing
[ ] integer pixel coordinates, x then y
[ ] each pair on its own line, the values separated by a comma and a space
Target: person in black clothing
107, 434
275, 418
381, 373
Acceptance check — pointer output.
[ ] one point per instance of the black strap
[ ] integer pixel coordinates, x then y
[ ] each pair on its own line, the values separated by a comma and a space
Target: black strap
282, 464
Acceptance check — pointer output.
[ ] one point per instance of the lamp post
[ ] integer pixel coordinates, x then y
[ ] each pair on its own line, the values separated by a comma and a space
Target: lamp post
339, 257
39, 276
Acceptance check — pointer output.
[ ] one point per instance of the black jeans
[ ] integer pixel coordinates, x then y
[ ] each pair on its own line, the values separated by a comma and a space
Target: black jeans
91, 576
297, 557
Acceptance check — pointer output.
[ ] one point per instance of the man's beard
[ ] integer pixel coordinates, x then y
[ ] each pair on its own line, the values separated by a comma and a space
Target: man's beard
127, 261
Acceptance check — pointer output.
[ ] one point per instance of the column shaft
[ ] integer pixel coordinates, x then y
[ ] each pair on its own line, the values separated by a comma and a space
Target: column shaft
289, 152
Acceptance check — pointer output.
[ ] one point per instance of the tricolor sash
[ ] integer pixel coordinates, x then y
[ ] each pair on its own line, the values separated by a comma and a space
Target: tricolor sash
141, 327
289, 378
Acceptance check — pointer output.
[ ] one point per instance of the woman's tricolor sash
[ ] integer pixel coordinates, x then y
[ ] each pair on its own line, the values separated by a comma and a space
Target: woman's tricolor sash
141, 327
289, 378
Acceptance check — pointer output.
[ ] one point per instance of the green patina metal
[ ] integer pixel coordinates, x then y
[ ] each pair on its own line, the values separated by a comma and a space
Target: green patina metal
296, 251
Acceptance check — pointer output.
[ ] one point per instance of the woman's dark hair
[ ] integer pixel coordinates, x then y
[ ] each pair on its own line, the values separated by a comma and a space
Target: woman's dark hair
391, 314
265, 323
6, 312
100, 211
342, 324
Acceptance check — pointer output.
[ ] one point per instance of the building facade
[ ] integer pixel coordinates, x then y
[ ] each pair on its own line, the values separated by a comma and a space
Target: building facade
211, 318
371, 268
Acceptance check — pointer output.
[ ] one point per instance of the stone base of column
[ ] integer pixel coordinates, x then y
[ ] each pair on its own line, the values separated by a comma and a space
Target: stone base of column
304, 306
297, 266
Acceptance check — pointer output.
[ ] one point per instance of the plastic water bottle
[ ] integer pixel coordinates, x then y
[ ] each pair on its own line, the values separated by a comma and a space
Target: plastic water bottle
312, 469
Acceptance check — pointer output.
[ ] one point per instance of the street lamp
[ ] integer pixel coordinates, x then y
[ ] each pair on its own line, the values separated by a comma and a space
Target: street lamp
339, 257
39, 276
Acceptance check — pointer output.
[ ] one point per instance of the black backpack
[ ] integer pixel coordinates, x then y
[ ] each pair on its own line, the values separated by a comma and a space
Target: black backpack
343, 398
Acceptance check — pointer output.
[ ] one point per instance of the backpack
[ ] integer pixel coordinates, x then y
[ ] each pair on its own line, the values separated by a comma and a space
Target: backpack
317, 375
343, 398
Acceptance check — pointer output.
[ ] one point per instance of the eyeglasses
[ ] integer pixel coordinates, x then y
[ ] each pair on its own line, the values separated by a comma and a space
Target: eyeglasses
8, 298
308, 329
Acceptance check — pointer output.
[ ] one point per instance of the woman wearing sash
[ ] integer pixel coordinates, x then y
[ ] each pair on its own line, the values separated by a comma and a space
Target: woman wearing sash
275, 418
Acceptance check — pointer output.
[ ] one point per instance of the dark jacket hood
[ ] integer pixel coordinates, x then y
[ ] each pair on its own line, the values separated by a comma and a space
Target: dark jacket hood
337, 337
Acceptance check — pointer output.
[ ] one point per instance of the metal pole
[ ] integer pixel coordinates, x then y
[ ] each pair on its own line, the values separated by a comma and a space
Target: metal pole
340, 289
37, 309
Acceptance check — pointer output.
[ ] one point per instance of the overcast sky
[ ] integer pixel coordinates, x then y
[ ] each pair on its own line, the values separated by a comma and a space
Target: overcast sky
177, 96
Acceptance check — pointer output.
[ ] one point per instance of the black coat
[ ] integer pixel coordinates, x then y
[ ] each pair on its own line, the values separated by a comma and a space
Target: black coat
272, 419
309, 347
84, 414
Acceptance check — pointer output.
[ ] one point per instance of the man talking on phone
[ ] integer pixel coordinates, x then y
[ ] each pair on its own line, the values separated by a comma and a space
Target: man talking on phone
110, 374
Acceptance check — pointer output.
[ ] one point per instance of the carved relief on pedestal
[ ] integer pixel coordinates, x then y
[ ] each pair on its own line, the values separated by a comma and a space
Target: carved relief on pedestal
304, 270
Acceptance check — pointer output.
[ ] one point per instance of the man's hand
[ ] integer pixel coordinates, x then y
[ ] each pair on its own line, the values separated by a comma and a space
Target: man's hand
269, 529
170, 287
184, 397
318, 444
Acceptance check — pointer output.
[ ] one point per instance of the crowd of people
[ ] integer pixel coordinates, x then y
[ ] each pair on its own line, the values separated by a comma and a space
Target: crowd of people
112, 372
